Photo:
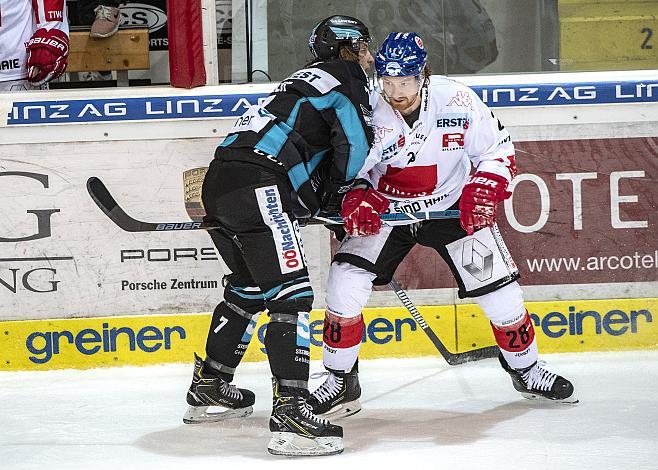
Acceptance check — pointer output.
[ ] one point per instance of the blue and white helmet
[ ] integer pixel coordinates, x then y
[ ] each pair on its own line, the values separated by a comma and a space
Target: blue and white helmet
401, 55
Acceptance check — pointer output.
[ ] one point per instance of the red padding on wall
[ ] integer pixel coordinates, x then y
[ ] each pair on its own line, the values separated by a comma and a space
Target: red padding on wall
186, 64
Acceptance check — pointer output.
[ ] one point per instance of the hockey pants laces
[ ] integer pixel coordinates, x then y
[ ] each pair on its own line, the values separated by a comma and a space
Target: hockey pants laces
538, 378
329, 388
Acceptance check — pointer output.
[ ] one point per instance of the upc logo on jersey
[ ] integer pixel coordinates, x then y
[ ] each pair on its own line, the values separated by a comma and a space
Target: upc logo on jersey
290, 253
462, 99
477, 259
454, 141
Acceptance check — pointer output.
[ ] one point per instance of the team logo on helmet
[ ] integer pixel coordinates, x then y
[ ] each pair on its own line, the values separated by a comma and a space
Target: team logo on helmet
419, 42
393, 69
396, 53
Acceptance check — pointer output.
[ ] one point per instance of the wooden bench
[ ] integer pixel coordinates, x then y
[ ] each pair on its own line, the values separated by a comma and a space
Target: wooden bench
127, 50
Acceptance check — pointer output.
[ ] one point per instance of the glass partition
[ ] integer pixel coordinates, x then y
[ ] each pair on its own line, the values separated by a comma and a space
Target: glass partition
265, 40
474, 36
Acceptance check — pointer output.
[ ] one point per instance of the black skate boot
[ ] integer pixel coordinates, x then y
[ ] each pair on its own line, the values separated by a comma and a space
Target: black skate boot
535, 382
296, 430
338, 396
208, 390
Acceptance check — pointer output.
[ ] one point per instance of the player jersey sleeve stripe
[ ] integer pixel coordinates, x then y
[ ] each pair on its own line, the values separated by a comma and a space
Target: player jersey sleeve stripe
229, 140
274, 139
300, 173
352, 127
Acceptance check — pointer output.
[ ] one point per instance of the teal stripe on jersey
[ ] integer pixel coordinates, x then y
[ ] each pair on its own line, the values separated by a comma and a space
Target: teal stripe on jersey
300, 173
349, 120
274, 139
229, 140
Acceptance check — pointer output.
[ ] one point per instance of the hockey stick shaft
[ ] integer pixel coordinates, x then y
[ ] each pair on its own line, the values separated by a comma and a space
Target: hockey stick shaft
451, 358
106, 202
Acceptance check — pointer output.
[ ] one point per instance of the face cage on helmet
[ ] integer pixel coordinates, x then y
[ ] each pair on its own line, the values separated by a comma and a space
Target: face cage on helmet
354, 44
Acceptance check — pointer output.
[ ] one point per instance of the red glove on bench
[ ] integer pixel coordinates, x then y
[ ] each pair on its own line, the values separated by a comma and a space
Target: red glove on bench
48, 51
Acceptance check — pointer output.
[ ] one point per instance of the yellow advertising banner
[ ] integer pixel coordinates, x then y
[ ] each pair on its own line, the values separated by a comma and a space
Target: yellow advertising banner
565, 326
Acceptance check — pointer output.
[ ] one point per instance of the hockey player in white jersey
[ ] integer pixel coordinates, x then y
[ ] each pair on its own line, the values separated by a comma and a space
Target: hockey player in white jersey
430, 132
34, 43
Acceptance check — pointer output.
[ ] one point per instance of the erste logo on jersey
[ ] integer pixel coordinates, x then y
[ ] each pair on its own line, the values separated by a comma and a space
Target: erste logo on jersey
392, 150
289, 250
453, 141
322, 81
453, 120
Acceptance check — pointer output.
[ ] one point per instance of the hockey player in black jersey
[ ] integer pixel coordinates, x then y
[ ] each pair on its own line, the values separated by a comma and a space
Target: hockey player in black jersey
298, 152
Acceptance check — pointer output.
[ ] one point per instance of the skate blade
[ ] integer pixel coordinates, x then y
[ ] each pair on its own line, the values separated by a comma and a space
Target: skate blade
539, 398
200, 414
294, 445
343, 410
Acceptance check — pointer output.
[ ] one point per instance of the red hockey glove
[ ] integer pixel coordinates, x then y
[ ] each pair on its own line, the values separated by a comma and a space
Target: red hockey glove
47, 52
361, 209
480, 196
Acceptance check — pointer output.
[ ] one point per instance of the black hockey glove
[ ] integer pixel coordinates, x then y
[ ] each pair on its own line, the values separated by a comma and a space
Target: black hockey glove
331, 198
299, 210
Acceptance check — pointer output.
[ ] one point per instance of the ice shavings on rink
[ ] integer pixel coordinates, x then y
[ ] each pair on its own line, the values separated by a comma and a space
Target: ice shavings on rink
417, 413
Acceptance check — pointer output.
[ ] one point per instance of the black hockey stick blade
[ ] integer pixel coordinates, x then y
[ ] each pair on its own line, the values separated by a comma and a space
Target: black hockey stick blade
451, 358
104, 200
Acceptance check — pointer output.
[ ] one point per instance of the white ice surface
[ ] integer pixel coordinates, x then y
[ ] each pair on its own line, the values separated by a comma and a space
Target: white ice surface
417, 414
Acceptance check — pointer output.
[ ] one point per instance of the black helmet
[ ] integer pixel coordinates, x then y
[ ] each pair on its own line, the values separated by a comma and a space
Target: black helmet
334, 31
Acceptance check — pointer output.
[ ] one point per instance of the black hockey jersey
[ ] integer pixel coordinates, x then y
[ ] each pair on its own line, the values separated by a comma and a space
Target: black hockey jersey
317, 120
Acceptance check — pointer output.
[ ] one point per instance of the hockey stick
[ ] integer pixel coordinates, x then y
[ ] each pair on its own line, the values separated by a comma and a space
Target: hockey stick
451, 358
104, 200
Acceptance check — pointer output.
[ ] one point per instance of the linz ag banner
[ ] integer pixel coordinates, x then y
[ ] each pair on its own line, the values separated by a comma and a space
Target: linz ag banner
582, 211
217, 106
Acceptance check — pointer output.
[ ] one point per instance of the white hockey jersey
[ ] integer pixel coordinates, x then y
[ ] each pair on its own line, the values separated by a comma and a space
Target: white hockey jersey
19, 19
424, 168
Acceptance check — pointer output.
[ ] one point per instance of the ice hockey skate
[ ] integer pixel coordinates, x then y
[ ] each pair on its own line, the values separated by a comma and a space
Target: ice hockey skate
536, 383
296, 430
208, 390
338, 396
